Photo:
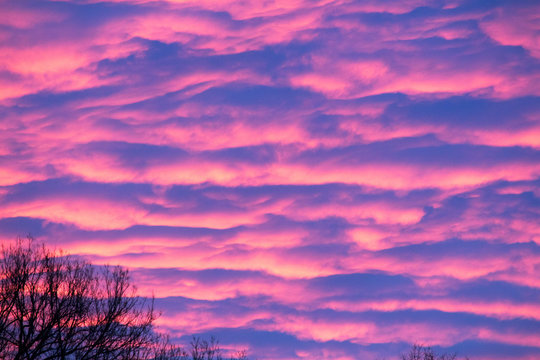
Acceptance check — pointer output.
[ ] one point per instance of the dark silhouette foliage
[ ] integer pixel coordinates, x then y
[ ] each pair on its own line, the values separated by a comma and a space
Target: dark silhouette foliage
419, 352
55, 306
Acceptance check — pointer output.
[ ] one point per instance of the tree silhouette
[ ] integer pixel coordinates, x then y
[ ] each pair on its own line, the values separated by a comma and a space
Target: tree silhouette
420, 352
56, 306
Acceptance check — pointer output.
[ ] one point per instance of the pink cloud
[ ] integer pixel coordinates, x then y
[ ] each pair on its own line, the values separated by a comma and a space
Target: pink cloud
516, 26
337, 174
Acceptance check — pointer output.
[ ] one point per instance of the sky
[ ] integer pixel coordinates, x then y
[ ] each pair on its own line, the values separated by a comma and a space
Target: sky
306, 179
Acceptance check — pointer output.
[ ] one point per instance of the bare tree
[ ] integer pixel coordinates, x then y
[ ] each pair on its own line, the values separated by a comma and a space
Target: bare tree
201, 349
420, 352
55, 306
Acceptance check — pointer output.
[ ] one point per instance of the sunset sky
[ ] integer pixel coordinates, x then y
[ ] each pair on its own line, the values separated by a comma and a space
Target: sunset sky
306, 179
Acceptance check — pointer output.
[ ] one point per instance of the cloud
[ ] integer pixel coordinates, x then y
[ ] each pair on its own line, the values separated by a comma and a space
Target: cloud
307, 179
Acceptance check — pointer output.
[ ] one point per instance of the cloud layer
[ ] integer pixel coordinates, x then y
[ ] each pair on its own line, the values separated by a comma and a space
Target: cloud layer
306, 179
